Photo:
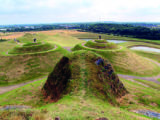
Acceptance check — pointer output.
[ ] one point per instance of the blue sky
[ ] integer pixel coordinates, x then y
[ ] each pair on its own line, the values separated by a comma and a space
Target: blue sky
53, 11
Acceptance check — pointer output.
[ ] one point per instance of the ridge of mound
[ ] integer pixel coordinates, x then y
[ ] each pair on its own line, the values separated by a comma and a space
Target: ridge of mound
101, 45
100, 41
100, 80
32, 44
104, 79
31, 48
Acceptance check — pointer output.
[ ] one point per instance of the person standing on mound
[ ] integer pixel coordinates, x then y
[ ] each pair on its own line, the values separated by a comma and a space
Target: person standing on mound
34, 40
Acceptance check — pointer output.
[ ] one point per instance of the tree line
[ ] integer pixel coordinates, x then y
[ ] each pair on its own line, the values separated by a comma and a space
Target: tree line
124, 30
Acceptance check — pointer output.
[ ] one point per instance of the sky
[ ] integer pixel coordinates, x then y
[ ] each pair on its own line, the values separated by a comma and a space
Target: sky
59, 11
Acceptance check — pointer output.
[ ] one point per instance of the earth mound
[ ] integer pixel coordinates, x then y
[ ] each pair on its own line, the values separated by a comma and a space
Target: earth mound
101, 41
57, 80
106, 78
98, 44
31, 48
32, 44
101, 78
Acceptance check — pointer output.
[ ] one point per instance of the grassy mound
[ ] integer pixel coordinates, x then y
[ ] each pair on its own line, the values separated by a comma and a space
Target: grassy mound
20, 68
99, 45
101, 41
125, 61
76, 106
28, 37
105, 82
31, 48
32, 44
61, 39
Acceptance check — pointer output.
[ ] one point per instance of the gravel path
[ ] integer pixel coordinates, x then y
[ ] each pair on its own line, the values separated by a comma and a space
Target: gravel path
12, 87
13, 107
153, 79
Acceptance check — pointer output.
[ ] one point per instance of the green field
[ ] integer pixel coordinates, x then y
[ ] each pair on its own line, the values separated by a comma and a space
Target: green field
83, 99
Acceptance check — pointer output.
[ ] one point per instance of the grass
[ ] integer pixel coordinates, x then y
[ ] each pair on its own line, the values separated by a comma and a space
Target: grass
59, 38
32, 44
82, 103
125, 61
6, 46
141, 97
17, 69
154, 56
149, 83
29, 95
23, 114
101, 46
31, 48
101, 41
131, 44
76, 106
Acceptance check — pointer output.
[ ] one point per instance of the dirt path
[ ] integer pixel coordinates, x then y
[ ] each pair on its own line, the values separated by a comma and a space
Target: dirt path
153, 79
12, 87
138, 82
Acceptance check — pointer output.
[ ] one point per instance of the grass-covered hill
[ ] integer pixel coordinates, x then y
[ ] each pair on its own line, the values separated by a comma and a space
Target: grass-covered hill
100, 78
101, 45
54, 38
86, 95
124, 60
26, 60
32, 48
20, 68
80, 88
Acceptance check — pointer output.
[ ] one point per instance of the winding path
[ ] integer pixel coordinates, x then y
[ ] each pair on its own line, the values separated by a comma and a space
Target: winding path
12, 87
153, 79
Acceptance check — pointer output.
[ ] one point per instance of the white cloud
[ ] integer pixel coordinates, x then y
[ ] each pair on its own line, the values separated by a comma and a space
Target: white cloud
80, 10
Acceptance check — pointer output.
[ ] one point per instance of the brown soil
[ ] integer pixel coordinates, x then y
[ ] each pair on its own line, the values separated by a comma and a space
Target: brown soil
104, 80
57, 80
